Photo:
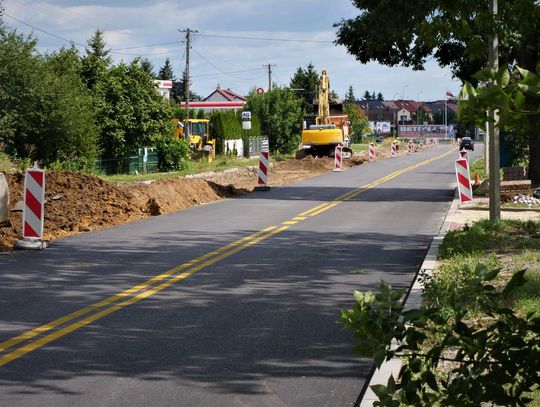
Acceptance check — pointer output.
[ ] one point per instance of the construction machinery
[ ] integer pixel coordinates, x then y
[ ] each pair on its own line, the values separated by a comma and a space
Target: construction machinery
330, 127
197, 133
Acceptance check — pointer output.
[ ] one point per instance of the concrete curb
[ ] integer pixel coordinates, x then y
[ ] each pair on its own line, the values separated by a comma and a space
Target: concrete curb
413, 300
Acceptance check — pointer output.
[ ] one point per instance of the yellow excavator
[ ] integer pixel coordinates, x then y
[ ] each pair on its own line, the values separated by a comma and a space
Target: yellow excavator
197, 134
322, 133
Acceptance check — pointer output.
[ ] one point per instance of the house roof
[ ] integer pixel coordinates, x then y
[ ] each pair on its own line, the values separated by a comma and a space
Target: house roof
227, 94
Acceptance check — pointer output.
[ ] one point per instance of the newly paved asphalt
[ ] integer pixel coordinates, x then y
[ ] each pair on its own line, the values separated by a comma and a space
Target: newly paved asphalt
255, 327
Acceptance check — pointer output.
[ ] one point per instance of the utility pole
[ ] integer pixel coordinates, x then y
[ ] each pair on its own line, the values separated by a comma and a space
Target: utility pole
493, 133
269, 67
186, 77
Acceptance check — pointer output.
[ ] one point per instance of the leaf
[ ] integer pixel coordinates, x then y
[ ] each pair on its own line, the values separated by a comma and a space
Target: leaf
538, 68
519, 100
430, 379
503, 76
379, 390
485, 75
523, 72
379, 357
529, 90
413, 315
517, 280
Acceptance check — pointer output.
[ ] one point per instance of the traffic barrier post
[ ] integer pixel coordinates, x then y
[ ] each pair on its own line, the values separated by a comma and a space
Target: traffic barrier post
371, 152
262, 179
338, 158
463, 180
33, 210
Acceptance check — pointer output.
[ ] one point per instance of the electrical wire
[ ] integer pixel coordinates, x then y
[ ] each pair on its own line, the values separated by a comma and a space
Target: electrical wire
43, 31
264, 39
218, 68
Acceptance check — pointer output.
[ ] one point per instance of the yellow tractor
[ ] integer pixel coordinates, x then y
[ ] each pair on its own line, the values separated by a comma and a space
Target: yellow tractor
197, 133
322, 133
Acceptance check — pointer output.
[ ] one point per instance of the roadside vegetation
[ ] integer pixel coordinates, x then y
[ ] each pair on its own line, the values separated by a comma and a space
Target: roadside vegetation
476, 338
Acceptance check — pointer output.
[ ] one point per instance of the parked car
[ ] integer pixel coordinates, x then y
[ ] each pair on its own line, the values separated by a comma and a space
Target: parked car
466, 144
380, 139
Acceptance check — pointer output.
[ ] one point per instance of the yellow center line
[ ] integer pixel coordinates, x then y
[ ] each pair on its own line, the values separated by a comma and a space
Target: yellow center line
32, 346
148, 288
126, 293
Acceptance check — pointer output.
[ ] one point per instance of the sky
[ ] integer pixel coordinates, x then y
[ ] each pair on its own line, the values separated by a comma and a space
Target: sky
235, 39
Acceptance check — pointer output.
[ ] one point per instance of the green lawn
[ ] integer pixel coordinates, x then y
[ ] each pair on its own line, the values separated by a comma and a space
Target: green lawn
193, 167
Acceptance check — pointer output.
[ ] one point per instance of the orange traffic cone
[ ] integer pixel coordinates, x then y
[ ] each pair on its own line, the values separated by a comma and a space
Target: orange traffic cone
476, 178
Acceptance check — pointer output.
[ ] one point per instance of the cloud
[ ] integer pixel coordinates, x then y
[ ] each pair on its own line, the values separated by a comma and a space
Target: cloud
143, 22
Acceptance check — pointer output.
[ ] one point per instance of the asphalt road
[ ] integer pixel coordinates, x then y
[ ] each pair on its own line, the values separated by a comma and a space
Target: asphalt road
247, 322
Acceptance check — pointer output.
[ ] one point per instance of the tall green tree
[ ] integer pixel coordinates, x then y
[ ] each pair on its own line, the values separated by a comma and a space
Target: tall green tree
349, 96
130, 113
305, 83
367, 95
455, 34
179, 90
380, 97
281, 114
97, 60
147, 66
166, 71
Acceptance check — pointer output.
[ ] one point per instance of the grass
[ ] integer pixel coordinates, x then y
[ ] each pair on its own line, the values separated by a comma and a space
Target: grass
510, 245
482, 236
194, 167
359, 147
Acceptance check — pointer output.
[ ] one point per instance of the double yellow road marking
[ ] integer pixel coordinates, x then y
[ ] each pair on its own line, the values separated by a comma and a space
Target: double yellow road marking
87, 315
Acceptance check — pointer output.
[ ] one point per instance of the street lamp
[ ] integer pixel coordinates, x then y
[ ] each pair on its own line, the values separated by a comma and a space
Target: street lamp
403, 92
417, 105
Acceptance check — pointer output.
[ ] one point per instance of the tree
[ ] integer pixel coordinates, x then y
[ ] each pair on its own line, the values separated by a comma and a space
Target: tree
455, 34
367, 95
179, 90
130, 113
380, 97
147, 66
97, 60
349, 96
281, 114
46, 110
166, 71
358, 119
306, 83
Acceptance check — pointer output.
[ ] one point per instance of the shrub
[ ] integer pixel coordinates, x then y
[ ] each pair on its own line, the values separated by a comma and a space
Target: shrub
173, 153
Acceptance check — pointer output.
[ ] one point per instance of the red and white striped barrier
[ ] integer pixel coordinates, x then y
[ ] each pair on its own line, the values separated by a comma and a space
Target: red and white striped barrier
262, 181
338, 158
33, 210
463, 180
394, 153
410, 147
371, 152
464, 154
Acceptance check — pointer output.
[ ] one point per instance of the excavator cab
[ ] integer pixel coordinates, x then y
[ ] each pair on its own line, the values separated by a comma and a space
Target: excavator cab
196, 133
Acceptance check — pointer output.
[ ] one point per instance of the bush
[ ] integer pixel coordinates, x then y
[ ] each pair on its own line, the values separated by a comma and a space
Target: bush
79, 164
496, 362
173, 153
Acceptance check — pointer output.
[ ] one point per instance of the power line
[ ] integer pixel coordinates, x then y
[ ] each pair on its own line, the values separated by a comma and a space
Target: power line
230, 72
218, 68
146, 46
43, 31
265, 39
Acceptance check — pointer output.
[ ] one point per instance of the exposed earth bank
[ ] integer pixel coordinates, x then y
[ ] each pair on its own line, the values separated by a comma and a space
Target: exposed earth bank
76, 202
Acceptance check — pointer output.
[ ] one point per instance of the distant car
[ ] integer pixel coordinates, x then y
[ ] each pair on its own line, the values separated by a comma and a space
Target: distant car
466, 144
380, 139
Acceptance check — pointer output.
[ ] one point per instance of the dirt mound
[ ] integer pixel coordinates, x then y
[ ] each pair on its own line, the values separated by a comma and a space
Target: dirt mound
76, 202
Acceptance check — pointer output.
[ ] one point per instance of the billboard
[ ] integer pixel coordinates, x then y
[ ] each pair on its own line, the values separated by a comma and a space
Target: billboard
425, 130
381, 127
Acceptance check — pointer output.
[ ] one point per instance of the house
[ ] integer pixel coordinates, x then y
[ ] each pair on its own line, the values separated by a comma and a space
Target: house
164, 88
219, 99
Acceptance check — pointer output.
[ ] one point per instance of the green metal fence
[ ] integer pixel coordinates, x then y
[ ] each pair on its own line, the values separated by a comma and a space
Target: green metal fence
145, 161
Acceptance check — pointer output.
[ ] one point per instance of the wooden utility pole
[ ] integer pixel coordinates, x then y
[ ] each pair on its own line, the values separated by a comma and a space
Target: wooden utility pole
269, 67
493, 133
186, 77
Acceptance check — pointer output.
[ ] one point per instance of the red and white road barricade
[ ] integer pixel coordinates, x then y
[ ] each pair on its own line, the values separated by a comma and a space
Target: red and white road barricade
371, 152
410, 147
464, 154
338, 158
464, 180
262, 181
33, 210
393, 149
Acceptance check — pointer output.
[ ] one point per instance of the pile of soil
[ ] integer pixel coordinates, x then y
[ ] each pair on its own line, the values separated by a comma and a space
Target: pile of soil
76, 202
